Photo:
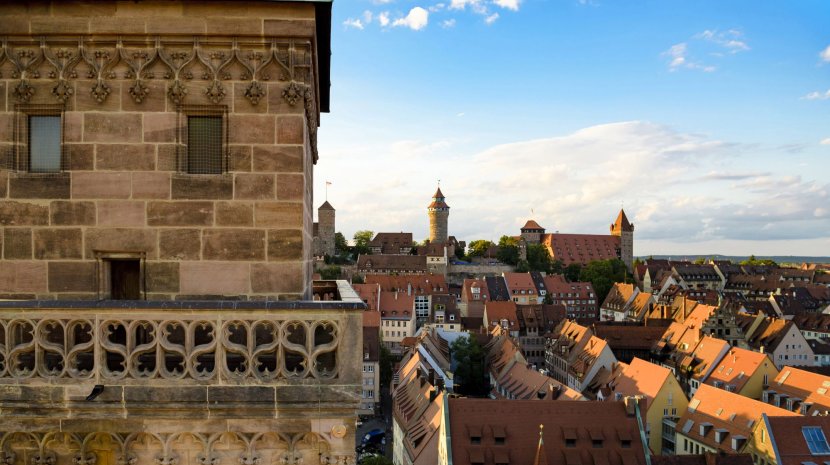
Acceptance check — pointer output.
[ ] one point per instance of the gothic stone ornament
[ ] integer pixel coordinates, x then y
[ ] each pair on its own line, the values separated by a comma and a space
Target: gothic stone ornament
7, 457
177, 92
85, 459
100, 91
23, 91
292, 93
62, 91
215, 92
139, 91
127, 458
255, 92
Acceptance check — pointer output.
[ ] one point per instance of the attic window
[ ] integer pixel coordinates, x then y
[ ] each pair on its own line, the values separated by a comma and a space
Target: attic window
816, 440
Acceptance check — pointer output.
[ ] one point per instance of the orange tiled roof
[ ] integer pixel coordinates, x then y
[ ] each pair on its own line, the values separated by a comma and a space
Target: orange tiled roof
497, 311
736, 367
581, 248
519, 282
531, 224
420, 284
641, 378
810, 388
622, 224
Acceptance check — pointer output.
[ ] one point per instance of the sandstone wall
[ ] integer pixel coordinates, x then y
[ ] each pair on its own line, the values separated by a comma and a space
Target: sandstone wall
243, 234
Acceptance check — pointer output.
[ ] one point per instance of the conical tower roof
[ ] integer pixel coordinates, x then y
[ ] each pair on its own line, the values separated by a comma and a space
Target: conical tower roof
532, 224
438, 194
622, 223
438, 201
326, 206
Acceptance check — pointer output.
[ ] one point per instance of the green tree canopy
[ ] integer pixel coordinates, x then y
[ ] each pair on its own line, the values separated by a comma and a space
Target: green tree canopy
375, 460
752, 261
341, 246
470, 376
602, 274
538, 258
361, 241
330, 272
572, 272
508, 250
479, 248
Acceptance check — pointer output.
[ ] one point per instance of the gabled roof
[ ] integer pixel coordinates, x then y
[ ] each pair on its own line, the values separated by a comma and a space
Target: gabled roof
714, 410
787, 434
497, 311
519, 281
392, 263
810, 388
737, 366
641, 378
421, 284
396, 304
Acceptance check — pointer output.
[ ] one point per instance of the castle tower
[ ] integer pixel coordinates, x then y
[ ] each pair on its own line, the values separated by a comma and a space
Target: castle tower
325, 228
532, 232
439, 213
625, 231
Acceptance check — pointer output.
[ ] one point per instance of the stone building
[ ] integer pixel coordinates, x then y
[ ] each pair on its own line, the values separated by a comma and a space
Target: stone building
156, 210
439, 214
324, 231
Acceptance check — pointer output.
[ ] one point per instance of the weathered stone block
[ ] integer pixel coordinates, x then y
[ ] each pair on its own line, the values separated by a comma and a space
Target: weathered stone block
240, 158
81, 157
277, 277
285, 244
202, 187
83, 9
251, 129
23, 214
17, 244
234, 214
100, 185
234, 26
4, 184
233, 244
14, 25
73, 125
6, 125
290, 186
151, 185
121, 239
180, 25
123, 157
110, 25
279, 159
289, 27
277, 104
290, 130
160, 127
72, 277
166, 157
25, 276
112, 127
39, 187
161, 395
180, 213
180, 244
241, 103
62, 25
125, 213
69, 213
63, 243
254, 186
218, 395
278, 214
215, 278
162, 276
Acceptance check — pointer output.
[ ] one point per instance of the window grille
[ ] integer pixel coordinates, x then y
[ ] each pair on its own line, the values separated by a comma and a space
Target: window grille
38, 139
202, 145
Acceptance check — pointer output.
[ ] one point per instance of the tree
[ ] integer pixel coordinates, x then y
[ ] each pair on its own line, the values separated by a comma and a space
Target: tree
479, 248
572, 272
330, 272
538, 258
375, 460
358, 279
752, 261
361, 241
470, 374
700, 261
341, 246
508, 250
602, 274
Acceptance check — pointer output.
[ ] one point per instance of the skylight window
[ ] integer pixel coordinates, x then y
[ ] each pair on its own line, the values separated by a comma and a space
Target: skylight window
816, 440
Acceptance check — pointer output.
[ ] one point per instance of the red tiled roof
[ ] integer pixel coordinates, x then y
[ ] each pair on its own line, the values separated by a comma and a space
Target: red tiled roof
420, 284
496, 311
787, 435
581, 248
531, 224
736, 367
564, 421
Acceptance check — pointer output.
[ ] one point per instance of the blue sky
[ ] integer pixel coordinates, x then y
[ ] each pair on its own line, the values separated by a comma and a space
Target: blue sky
707, 120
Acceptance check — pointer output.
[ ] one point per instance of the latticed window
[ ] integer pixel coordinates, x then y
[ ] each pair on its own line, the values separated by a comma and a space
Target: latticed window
38, 144
203, 139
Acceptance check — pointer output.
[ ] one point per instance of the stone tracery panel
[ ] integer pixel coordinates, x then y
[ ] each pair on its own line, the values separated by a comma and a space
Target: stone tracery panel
184, 448
140, 348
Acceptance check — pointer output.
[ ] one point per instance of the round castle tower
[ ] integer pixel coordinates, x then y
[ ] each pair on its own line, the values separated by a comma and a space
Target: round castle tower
439, 213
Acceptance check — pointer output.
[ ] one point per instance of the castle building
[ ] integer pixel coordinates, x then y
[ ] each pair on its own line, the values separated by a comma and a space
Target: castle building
585, 248
324, 231
439, 213
156, 295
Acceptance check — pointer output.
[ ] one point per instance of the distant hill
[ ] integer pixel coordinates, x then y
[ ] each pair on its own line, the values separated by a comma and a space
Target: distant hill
796, 259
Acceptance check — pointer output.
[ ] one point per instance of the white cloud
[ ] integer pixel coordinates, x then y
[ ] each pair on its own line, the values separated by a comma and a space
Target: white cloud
383, 18
825, 141
417, 19
825, 54
509, 4
367, 17
354, 23
491, 19
437, 7
677, 54
713, 42
817, 96
730, 40
448, 23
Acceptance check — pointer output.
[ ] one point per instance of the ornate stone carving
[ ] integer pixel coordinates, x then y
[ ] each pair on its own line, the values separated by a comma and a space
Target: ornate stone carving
100, 91
138, 91
255, 92
62, 91
292, 93
215, 92
168, 348
177, 92
23, 92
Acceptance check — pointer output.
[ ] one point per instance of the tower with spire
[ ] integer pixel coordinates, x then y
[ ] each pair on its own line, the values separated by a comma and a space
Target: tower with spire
439, 213
625, 231
324, 230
